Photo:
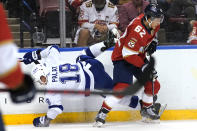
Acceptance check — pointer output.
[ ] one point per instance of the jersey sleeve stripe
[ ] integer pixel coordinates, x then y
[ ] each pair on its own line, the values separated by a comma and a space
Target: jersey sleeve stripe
13, 77
6, 42
126, 52
80, 22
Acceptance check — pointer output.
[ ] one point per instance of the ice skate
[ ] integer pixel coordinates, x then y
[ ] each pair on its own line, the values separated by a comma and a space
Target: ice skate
100, 118
43, 121
151, 113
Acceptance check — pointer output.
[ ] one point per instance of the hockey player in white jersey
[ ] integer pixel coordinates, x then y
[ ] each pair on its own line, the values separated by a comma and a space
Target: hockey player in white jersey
87, 74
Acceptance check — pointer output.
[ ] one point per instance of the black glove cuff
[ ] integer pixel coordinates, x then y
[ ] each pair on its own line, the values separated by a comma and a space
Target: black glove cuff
25, 92
38, 54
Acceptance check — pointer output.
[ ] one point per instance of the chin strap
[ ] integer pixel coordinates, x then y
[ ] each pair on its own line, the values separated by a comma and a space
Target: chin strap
149, 23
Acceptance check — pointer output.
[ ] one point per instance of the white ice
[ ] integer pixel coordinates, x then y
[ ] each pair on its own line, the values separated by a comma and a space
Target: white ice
190, 125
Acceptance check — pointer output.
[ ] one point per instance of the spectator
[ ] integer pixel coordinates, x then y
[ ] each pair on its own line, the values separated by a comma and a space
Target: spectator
193, 35
179, 15
96, 18
128, 11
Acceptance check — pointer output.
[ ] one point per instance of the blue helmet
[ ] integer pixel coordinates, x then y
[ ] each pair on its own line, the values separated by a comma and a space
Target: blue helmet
153, 11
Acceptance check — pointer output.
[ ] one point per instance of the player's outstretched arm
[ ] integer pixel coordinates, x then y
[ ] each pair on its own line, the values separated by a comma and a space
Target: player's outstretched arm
34, 56
98, 48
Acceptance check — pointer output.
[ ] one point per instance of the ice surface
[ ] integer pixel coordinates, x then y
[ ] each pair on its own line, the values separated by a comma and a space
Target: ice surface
190, 125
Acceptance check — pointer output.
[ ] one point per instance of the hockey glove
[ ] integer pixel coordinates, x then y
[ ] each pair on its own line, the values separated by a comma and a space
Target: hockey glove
153, 72
152, 47
32, 56
109, 42
144, 69
25, 92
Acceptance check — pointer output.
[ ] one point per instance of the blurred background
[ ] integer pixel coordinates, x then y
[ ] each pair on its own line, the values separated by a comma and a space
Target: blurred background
77, 23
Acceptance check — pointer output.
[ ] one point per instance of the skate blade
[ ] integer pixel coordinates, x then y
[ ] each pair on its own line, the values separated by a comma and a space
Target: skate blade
162, 109
148, 120
98, 124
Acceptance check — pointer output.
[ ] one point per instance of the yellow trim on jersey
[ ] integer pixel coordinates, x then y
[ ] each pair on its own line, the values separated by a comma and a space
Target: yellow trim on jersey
111, 5
9, 71
89, 4
6, 42
71, 117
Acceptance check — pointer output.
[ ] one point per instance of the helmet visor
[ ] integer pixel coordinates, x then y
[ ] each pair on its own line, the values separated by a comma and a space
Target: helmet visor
158, 19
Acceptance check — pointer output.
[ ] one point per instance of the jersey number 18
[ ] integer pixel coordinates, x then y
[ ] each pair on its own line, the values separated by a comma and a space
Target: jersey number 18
65, 68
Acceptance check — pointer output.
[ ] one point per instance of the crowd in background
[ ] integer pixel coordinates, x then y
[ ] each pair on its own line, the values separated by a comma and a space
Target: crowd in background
87, 24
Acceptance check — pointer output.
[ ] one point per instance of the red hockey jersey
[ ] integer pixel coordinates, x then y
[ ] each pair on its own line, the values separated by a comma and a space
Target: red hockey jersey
131, 45
10, 70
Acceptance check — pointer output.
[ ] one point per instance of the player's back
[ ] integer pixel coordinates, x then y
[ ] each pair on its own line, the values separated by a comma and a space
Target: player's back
61, 76
65, 76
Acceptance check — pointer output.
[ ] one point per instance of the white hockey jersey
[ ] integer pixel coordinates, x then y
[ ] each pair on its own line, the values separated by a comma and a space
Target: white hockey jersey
66, 76
89, 16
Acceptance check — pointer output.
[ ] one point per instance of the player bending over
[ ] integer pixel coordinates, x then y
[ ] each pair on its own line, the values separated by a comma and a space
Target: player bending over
86, 74
129, 59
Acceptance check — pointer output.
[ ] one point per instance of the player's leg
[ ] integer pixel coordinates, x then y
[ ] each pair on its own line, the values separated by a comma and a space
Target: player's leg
54, 109
122, 77
84, 35
102, 81
147, 107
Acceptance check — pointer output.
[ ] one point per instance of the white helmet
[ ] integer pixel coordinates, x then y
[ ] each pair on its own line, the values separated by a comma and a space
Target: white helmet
39, 73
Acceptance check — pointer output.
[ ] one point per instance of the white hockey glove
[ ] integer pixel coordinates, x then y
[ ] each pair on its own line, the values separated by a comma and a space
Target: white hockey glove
116, 33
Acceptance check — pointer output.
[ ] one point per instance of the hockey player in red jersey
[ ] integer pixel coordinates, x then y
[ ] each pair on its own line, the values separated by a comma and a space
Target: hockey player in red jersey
129, 59
21, 86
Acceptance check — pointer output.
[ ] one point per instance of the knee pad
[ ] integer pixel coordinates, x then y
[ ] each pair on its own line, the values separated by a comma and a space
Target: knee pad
120, 87
149, 89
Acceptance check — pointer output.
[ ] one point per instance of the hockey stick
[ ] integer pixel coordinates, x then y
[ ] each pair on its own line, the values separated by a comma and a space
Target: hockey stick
132, 89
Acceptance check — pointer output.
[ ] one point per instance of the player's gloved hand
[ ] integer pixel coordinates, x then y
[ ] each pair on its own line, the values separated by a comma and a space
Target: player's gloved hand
25, 92
109, 42
152, 47
32, 56
146, 71
153, 72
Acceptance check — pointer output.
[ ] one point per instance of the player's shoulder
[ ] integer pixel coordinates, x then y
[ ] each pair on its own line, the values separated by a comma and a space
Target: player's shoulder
136, 22
87, 4
110, 5
138, 19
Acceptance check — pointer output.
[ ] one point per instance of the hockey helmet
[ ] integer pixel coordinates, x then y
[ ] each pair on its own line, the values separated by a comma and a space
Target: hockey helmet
99, 4
153, 11
39, 73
